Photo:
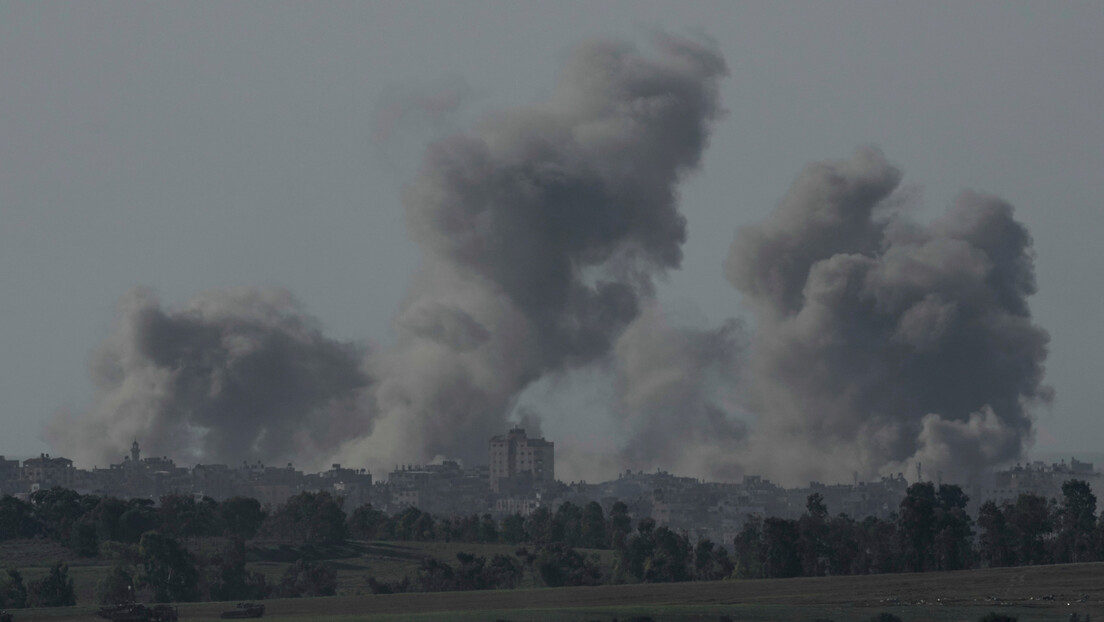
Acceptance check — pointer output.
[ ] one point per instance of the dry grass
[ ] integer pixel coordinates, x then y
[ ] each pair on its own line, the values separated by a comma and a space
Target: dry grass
1045, 593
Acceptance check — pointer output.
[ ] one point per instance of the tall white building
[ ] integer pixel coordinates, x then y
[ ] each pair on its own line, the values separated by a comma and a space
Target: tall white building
515, 454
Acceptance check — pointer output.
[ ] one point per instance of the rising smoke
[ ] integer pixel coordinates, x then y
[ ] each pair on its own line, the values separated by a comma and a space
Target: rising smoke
876, 341
542, 229
879, 341
678, 390
235, 374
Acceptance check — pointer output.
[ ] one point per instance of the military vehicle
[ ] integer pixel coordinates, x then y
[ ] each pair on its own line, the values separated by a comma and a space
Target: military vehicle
244, 610
134, 612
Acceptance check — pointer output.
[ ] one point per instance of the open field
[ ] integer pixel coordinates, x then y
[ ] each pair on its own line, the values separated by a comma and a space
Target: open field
354, 561
1044, 593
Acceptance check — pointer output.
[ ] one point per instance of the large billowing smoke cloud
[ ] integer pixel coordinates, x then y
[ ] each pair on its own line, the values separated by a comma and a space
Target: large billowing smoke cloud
876, 341
677, 392
879, 341
542, 229
234, 375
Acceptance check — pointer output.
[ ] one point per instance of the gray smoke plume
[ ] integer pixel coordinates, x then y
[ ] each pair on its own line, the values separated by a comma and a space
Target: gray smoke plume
677, 393
880, 341
542, 229
235, 374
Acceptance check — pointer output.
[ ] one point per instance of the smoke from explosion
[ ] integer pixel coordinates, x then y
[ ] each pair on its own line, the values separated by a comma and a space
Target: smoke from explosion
879, 341
235, 374
542, 229
677, 388
876, 341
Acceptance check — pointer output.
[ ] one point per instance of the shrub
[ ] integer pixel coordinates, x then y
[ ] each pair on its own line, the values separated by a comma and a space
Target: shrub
53, 590
307, 579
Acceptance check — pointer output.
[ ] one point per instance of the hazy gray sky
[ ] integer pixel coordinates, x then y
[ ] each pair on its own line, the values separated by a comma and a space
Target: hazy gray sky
189, 146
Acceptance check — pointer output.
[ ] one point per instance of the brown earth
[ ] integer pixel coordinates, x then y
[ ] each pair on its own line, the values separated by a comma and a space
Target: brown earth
1051, 592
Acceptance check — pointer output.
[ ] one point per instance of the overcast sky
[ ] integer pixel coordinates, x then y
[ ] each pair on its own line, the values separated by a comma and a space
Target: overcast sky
189, 146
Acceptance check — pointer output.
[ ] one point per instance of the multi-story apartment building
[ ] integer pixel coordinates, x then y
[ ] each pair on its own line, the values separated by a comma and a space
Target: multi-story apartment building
514, 457
47, 472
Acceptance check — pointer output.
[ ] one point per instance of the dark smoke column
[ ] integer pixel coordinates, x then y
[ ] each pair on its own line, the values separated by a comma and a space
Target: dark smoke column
880, 341
238, 374
541, 229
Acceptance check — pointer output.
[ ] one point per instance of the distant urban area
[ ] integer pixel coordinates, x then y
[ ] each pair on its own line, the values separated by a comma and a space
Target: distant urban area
519, 478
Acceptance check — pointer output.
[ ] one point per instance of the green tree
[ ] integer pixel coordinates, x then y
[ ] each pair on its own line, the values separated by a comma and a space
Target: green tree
1076, 523
916, 526
879, 545
1032, 522
57, 509
488, 529
304, 579
671, 557
425, 529
17, 519
749, 551
560, 565
711, 563
231, 580
181, 516
309, 518
812, 536
13, 594
996, 543
842, 543
106, 516
539, 526
168, 569
241, 517
780, 540
117, 587
567, 524
83, 539
139, 517
620, 525
953, 530
593, 528
513, 529
53, 590
368, 523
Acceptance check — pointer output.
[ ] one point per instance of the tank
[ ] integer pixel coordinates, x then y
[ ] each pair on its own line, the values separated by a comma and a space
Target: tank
244, 610
134, 612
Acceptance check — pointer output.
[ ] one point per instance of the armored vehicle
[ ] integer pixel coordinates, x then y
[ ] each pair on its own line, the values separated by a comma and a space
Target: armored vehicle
134, 612
245, 610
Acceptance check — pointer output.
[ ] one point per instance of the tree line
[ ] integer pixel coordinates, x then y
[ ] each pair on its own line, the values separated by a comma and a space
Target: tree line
931, 530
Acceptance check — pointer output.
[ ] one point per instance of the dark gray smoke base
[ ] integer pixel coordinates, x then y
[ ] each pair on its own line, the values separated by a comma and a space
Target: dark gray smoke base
678, 391
234, 375
542, 229
879, 341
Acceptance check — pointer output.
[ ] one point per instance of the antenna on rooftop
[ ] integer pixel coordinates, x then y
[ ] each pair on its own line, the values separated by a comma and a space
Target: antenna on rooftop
919, 472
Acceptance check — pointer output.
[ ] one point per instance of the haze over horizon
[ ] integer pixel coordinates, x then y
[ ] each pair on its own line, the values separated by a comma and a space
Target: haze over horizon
804, 244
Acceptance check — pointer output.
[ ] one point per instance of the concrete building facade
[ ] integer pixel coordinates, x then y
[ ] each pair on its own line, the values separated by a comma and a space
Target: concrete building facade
514, 456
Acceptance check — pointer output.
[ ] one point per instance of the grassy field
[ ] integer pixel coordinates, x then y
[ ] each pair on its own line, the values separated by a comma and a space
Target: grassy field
1044, 593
